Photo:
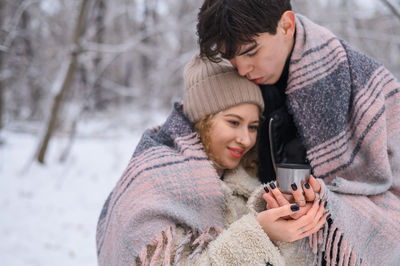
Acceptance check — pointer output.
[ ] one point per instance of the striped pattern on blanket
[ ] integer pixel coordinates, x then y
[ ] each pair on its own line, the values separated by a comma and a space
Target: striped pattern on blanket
347, 109
168, 181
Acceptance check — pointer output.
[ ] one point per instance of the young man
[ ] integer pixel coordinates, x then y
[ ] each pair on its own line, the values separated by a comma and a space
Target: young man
259, 45
326, 104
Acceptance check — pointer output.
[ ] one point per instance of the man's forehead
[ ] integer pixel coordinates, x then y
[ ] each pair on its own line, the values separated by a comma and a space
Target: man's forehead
242, 48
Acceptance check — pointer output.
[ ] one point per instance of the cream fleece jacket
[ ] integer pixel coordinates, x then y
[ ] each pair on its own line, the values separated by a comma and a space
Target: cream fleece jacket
243, 241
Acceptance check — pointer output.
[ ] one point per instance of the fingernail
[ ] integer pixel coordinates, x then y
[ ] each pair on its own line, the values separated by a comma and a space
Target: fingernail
266, 189
294, 186
326, 203
272, 185
307, 185
295, 207
319, 203
329, 219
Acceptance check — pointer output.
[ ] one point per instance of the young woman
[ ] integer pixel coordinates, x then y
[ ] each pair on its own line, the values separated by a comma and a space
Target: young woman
185, 197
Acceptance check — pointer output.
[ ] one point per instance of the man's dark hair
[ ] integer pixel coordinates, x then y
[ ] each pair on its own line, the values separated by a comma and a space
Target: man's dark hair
228, 24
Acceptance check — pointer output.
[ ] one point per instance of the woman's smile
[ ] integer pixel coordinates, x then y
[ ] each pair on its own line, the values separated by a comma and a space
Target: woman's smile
236, 152
233, 134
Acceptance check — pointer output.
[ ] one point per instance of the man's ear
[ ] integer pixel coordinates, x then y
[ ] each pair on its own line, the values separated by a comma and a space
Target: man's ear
287, 24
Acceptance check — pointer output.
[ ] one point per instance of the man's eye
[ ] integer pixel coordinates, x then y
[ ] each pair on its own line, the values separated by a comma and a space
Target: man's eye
252, 54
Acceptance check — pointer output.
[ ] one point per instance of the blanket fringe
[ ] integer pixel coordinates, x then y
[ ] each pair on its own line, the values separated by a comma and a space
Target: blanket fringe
163, 244
162, 241
202, 240
143, 256
181, 247
331, 245
158, 242
335, 246
170, 243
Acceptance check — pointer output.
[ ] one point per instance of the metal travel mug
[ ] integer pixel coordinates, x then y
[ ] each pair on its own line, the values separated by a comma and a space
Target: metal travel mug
289, 173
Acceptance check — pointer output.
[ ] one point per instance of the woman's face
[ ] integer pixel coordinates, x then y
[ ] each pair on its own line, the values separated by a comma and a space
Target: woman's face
233, 133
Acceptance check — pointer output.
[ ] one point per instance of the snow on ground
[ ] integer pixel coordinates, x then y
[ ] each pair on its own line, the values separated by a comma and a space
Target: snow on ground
49, 213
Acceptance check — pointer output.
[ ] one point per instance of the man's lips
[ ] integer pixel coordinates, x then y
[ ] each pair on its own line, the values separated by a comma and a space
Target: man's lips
257, 80
236, 152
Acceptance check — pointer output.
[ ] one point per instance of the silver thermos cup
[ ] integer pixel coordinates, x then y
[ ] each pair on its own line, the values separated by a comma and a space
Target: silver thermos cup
289, 173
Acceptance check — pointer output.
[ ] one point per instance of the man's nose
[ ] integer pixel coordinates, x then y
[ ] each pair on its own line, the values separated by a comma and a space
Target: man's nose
243, 67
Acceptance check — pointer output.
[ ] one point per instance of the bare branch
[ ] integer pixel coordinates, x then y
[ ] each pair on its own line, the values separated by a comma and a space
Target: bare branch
377, 36
127, 45
11, 28
392, 8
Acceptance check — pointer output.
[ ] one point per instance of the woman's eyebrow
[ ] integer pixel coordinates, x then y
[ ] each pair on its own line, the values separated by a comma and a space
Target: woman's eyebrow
241, 118
234, 115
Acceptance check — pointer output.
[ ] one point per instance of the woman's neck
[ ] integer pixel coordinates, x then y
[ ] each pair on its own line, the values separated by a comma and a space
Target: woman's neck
220, 170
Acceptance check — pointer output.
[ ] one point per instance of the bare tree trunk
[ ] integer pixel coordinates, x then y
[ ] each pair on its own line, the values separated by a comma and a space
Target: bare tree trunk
1, 70
79, 29
29, 54
1, 94
150, 17
100, 12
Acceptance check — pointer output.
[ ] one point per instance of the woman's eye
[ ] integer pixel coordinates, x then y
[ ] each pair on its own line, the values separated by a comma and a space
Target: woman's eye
253, 128
233, 122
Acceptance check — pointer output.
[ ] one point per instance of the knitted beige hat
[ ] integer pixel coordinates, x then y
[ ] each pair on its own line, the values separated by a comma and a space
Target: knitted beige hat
212, 87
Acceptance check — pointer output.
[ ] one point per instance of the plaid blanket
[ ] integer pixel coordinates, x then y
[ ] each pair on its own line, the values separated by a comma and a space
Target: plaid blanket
347, 109
168, 181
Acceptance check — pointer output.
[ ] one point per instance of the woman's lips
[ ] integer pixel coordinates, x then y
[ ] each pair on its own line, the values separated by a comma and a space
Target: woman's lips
236, 152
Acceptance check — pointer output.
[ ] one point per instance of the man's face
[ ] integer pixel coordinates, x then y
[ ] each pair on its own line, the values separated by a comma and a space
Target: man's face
264, 60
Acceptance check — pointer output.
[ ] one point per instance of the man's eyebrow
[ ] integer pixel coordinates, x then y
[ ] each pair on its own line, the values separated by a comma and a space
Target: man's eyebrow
248, 49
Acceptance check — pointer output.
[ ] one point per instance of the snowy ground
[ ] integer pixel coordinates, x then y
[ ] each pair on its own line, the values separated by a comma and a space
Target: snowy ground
49, 213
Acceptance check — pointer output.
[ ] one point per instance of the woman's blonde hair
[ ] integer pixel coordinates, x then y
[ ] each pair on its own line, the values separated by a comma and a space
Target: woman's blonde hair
203, 128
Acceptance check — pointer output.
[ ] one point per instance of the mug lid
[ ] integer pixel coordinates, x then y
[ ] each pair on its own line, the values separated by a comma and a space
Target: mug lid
293, 166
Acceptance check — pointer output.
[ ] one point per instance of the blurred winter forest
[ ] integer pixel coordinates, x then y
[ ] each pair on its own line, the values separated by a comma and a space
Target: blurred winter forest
67, 61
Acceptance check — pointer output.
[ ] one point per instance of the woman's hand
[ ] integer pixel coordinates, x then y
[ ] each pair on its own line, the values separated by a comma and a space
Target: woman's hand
275, 198
278, 228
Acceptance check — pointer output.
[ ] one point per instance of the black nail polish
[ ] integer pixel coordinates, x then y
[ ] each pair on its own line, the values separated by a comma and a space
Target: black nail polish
294, 186
266, 189
319, 203
329, 219
307, 185
326, 203
272, 185
295, 207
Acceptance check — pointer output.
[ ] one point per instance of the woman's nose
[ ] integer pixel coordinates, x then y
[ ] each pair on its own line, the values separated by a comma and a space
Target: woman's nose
244, 138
